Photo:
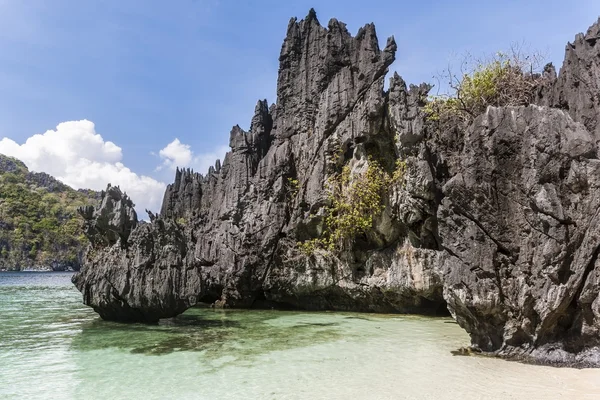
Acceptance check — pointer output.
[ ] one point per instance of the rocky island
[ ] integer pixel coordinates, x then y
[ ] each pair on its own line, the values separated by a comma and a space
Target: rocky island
346, 196
39, 225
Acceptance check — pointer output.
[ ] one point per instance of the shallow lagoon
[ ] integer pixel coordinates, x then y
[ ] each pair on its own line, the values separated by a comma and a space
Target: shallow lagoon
53, 347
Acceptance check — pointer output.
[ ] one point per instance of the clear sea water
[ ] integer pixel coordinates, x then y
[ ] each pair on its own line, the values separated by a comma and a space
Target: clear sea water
53, 347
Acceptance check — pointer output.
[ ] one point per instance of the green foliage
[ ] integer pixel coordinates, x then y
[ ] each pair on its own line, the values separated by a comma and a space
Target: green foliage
502, 80
399, 172
181, 221
293, 186
354, 203
10, 177
33, 251
36, 225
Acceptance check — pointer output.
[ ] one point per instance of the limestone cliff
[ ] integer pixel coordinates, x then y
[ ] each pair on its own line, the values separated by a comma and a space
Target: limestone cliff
497, 221
519, 220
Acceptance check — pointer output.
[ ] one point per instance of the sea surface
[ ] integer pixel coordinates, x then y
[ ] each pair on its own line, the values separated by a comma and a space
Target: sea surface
53, 347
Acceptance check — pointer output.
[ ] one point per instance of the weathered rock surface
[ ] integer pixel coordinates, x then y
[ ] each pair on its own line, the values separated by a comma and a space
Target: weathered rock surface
498, 220
142, 274
577, 88
519, 222
243, 219
112, 221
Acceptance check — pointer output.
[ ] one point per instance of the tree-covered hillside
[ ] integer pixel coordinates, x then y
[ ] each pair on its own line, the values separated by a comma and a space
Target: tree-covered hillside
39, 224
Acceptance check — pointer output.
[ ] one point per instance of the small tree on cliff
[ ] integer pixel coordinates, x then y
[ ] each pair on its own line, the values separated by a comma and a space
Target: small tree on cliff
504, 79
355, 201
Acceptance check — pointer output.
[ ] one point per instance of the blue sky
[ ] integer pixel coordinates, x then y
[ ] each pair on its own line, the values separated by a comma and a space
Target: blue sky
147, 72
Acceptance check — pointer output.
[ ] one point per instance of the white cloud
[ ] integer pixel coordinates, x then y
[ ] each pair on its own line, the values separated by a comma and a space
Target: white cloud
75, 154
177, 154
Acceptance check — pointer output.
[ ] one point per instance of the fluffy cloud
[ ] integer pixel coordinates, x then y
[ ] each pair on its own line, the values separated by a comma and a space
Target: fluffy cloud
75, 154
177, 154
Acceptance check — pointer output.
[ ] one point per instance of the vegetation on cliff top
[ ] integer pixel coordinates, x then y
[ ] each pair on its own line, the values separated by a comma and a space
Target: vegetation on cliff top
504, 79
39, 224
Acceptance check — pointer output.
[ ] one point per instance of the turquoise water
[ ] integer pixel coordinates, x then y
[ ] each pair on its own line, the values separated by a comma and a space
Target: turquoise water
53, 347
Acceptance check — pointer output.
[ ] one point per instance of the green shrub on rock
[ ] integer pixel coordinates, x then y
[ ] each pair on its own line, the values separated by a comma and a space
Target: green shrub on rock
355, 200
502, 80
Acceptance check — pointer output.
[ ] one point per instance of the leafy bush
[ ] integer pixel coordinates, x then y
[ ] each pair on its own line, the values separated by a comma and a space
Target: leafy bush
293, 185
502, 80
354, 203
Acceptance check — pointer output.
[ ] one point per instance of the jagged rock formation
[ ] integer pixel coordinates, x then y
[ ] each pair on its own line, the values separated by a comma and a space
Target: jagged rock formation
245, 216
112, 221
519, 220
135, 272
497, 220
243, 219
577, 89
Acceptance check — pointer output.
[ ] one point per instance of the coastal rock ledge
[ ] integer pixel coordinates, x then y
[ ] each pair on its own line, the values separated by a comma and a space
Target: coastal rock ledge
497, 223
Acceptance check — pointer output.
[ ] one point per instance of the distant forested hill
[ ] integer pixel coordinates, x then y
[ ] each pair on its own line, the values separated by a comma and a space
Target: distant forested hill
39, 224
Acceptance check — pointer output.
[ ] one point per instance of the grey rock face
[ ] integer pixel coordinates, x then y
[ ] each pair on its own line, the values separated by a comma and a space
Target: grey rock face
9, 164
519, 225
577, 88
135, 272
243, 219
112, 221
498, 220
518, 220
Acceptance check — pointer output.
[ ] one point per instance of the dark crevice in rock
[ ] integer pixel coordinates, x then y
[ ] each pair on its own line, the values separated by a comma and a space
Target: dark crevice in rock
564, 221
500, 247
578, 310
